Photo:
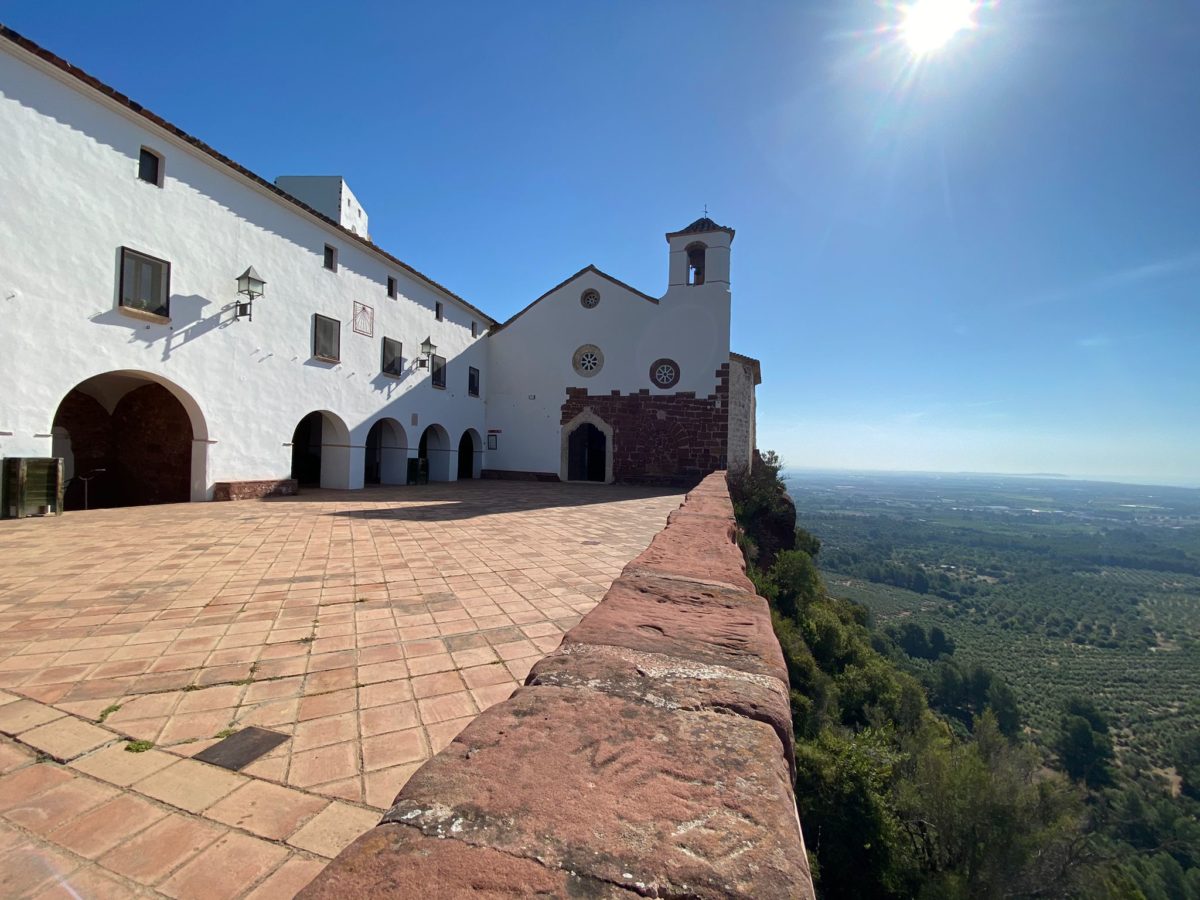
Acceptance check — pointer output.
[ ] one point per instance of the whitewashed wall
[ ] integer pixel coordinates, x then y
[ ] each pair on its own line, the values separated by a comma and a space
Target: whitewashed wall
71, 199
741, 415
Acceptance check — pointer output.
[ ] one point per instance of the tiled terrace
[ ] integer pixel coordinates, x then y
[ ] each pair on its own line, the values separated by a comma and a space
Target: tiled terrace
369, 627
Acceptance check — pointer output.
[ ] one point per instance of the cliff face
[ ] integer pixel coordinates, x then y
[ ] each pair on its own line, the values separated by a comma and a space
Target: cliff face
649, 755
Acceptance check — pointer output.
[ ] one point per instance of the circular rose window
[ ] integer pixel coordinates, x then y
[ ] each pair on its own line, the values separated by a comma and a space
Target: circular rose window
588, 360
664, 373
590, 298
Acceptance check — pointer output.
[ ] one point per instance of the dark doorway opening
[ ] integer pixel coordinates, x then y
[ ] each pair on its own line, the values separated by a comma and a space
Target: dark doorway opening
587, 453
306, 450
373, 470
138, 454
466, 457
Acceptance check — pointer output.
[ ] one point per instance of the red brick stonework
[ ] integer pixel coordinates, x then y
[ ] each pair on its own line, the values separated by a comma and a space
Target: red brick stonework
673, 439
253, 490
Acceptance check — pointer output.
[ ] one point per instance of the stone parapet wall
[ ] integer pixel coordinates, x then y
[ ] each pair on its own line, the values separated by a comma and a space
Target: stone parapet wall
254, 490
649, 755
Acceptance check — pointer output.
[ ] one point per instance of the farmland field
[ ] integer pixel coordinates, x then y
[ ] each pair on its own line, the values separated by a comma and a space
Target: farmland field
1061, 587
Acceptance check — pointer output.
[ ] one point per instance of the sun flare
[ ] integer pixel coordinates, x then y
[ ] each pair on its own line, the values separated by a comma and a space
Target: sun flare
928, 25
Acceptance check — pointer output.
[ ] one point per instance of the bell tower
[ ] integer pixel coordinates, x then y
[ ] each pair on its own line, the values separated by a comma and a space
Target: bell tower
699, 255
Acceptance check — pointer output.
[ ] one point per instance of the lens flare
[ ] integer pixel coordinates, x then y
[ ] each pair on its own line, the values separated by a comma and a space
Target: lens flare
928, 25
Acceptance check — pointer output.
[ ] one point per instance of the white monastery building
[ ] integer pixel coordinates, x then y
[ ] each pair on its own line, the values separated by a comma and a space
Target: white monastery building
141, 346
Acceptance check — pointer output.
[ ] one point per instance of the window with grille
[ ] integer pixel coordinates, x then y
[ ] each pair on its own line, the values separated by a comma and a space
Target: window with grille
473, 381
145, 283
327, 338
393, 364
438, 371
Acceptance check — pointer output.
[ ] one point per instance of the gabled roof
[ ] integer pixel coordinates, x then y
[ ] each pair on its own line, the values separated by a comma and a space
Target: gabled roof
700, 226
567, 281
750, 361
133, 106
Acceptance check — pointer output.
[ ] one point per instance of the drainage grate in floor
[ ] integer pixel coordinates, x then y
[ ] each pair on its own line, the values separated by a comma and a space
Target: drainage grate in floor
242, 748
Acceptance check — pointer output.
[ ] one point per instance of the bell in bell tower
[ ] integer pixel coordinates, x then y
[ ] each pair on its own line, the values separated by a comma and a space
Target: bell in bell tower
700, 255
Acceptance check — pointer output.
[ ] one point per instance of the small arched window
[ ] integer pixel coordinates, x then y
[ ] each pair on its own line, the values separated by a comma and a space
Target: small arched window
695, 256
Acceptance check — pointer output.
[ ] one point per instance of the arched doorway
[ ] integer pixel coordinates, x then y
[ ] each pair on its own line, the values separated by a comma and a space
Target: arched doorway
130, 438
321, 451
386, 453
434, 448
588, 449
587, 453
470, 455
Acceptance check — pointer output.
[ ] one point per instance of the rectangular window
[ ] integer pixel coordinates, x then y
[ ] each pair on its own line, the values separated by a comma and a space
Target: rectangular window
438, 371
474, 328
331, 258
392, 287
493, 441
473, 382
150, 167
437, 310
393, 364
145, 283
327, 338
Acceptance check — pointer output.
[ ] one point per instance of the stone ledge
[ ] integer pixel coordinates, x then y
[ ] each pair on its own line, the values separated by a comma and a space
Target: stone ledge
651, 753
254, 490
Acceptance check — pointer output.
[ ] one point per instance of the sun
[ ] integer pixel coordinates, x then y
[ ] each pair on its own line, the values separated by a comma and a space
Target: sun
928, 25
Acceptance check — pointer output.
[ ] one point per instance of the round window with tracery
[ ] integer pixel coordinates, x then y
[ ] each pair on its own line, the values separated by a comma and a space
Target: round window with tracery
590, 298
664, 373
588, 360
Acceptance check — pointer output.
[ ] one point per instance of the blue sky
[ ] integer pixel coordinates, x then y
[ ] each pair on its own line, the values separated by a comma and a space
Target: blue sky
988, 260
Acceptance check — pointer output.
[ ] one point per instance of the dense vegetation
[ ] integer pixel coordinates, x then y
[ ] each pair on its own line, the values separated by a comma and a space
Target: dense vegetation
915, 775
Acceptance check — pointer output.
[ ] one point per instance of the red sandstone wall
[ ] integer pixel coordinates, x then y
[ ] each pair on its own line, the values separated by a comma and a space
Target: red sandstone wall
661, 438
650, 755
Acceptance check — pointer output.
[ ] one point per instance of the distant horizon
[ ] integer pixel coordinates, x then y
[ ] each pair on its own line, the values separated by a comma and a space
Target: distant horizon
1133, 481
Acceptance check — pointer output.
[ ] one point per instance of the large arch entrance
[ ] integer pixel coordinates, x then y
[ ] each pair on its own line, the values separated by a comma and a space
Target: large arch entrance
130, 438
587, 449
321, 451
435, 449
470, 455
386, 453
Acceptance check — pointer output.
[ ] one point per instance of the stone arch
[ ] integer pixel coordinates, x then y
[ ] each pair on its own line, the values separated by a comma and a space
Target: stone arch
131, 438
470, 454
435, 448
321, 451
386, 453
586, 417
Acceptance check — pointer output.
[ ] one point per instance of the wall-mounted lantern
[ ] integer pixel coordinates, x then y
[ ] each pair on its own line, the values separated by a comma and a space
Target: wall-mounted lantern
428, 348
252, 286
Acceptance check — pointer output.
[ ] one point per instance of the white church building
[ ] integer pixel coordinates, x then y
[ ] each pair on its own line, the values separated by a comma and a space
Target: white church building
177, 328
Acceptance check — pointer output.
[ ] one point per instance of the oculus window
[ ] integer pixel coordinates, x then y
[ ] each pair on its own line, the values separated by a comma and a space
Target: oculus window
590, 298
327, 338
588, 360
664, 373
145, 283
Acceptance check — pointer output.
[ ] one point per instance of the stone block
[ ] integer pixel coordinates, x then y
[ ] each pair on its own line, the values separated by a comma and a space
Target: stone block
662, 802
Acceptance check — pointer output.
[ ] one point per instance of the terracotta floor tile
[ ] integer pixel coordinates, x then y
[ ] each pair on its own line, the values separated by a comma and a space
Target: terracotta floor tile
323, 765
267, 810
333, 829
492, 694
23, 785
330, 704
384, 693
44, 812
190, 785
99, 830
29, 867
118, 766
151, 855
25, 714
328, 730
394, 748
441, 734
383, 785
90, 882
433, 685
66, 738
287, 881
392, 717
